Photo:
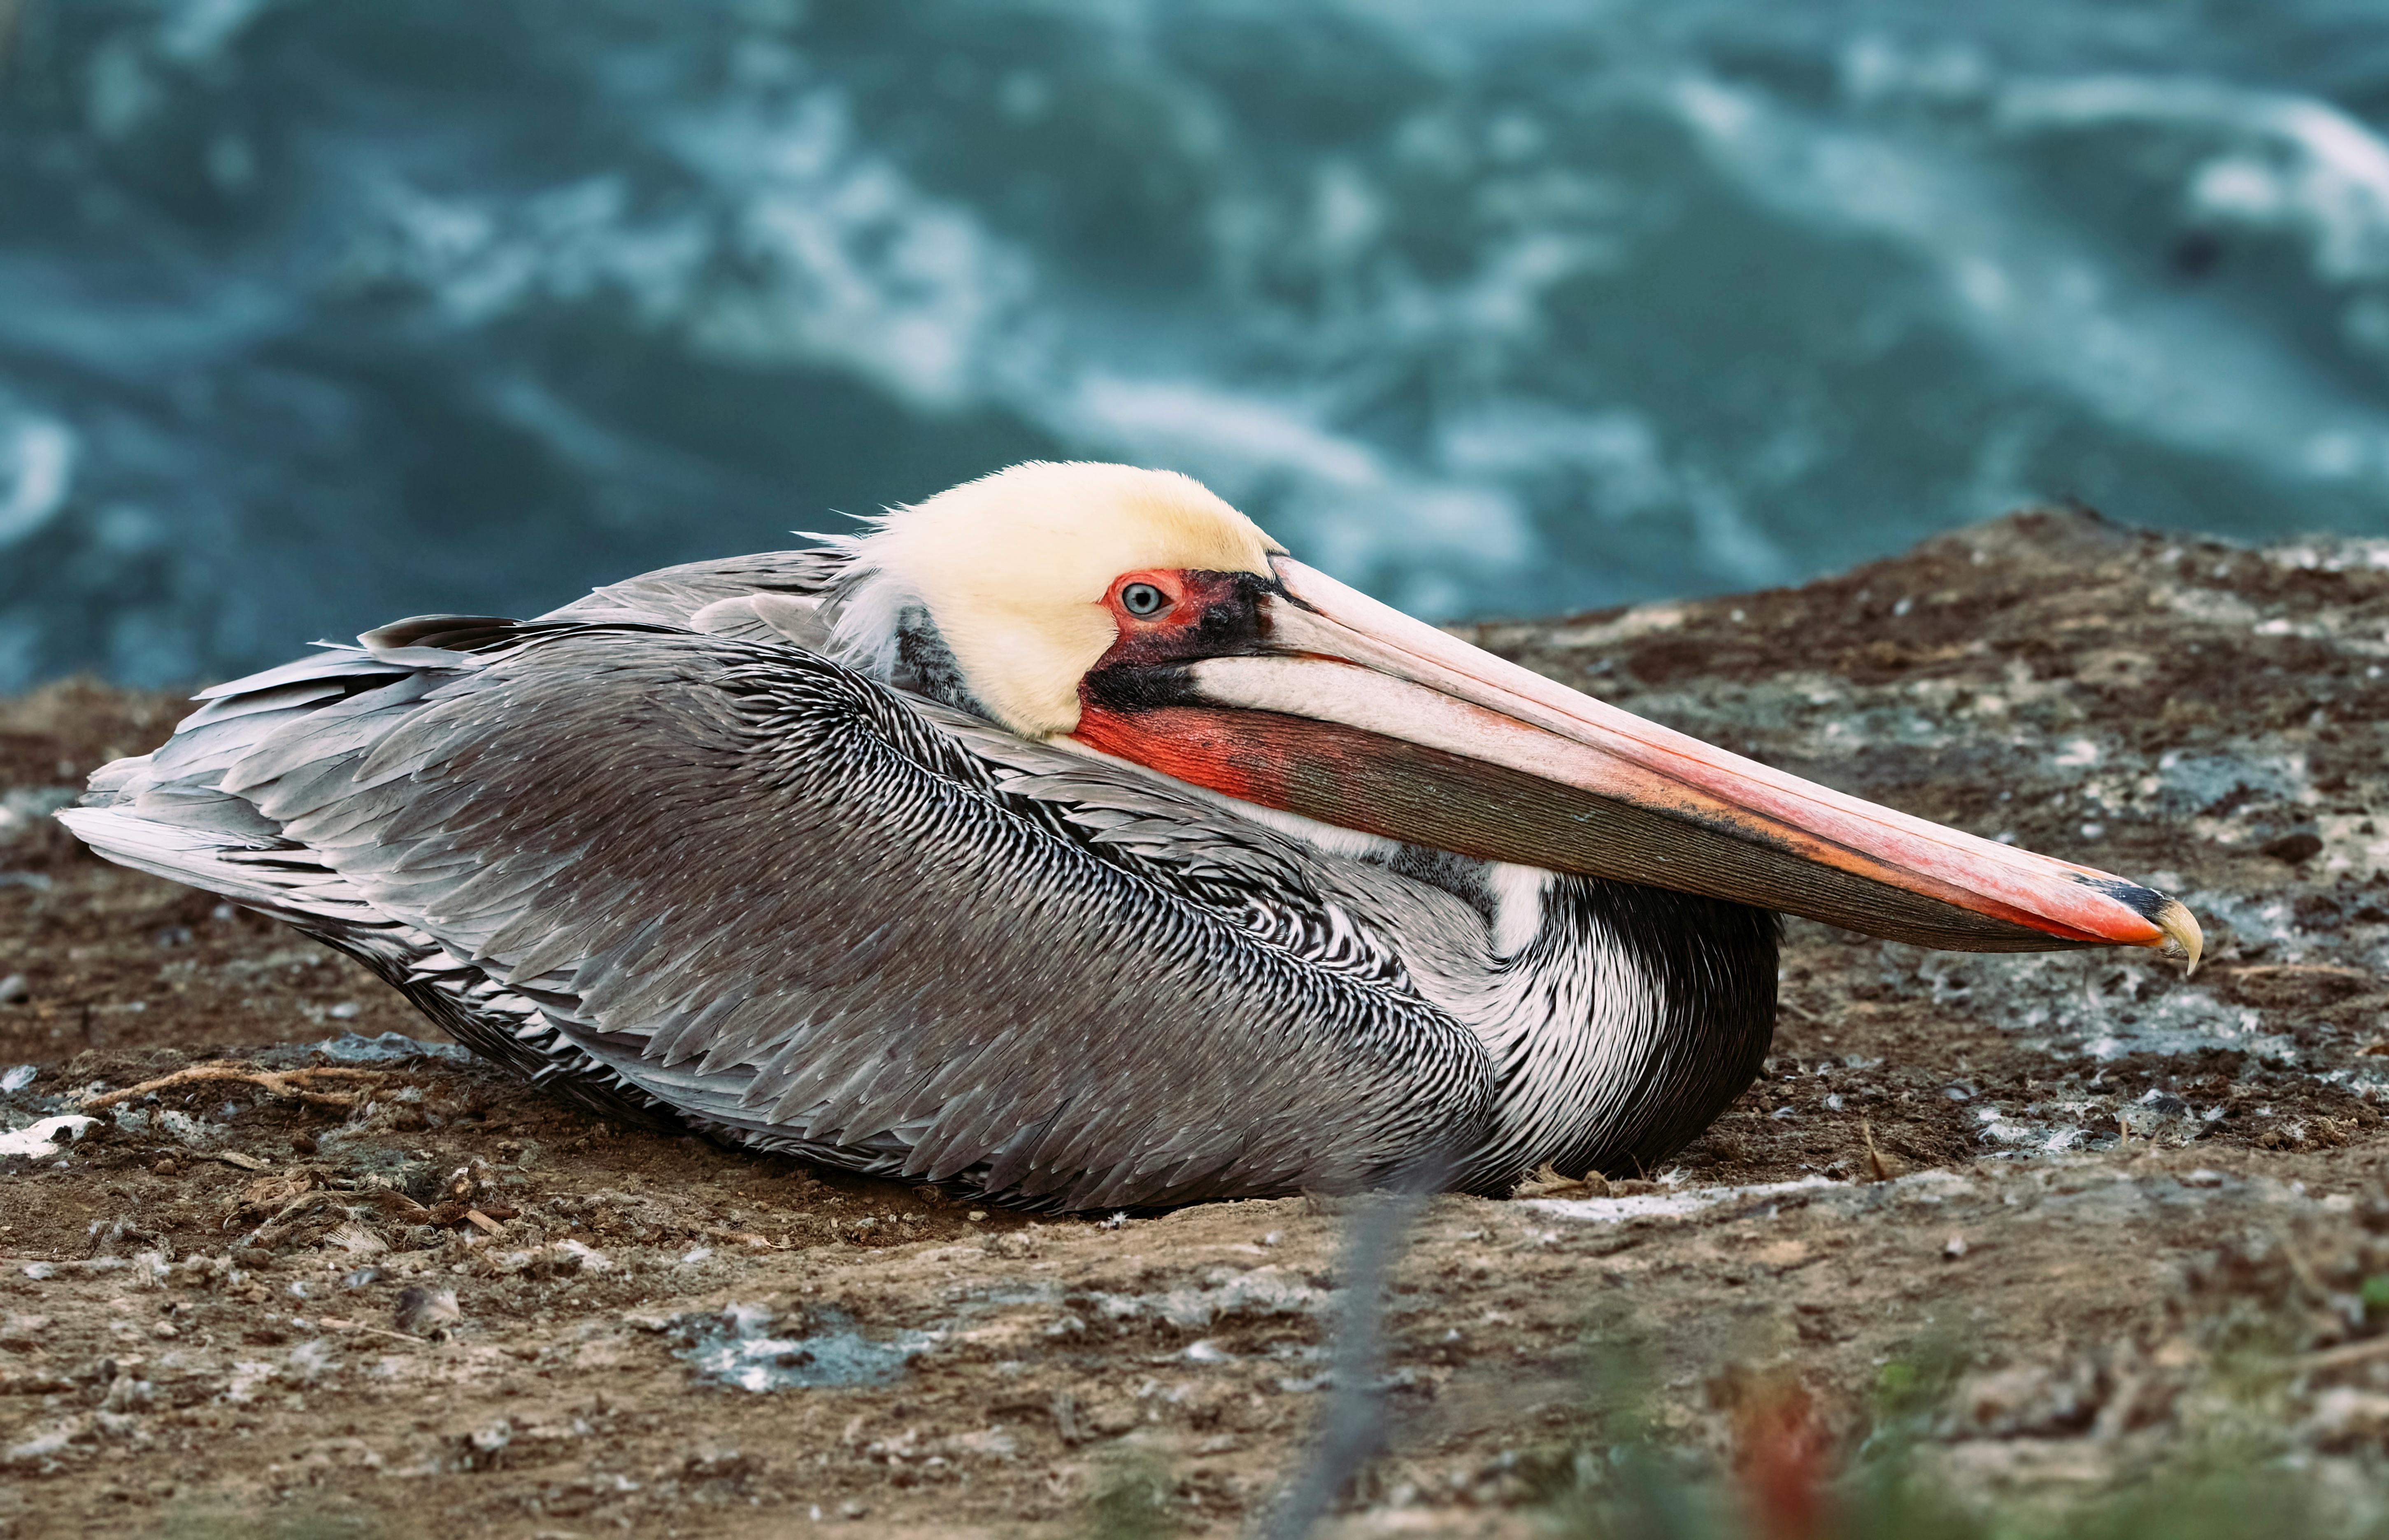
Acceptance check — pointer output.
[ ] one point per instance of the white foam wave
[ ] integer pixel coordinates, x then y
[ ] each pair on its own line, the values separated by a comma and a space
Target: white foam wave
850, 264
1241, 433
2293, 163
1358, 510
37, 455
199, 32
2046, 305
824, 254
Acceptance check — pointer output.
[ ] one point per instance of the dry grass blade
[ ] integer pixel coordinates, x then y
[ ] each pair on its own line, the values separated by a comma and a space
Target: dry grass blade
396, 1204
291, 1085
1879, 1167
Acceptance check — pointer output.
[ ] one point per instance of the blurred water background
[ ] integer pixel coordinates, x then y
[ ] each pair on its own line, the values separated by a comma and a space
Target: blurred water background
315, 312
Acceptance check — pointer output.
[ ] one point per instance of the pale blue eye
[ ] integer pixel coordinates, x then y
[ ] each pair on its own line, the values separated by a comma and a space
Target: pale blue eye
1144, 599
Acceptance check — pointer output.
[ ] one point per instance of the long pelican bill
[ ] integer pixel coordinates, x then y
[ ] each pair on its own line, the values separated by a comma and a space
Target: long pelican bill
1353, 713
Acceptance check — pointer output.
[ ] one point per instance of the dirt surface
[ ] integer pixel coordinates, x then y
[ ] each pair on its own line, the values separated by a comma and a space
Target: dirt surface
2052, 1225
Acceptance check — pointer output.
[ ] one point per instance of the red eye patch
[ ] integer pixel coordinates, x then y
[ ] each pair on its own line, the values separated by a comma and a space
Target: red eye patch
1142, 600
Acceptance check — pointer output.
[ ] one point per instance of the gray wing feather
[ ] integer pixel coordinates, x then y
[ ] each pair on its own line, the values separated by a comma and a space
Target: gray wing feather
673, 595
335, 662
791, 904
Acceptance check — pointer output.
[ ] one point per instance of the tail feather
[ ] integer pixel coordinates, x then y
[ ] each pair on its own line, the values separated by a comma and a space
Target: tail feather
166, 812
276, 876
180, 812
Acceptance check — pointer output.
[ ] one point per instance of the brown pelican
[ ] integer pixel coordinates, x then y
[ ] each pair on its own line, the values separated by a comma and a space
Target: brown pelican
1064, 839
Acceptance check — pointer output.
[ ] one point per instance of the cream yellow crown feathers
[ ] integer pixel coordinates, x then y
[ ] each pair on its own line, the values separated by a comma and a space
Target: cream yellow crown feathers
1013, 568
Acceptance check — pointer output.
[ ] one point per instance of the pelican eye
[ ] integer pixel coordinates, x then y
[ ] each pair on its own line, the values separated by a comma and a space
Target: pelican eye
1144, 600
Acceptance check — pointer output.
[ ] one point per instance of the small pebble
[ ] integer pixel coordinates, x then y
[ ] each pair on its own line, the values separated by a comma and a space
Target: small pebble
19, 1077
1954, 1248
421, 1309
2293, 849
14, 990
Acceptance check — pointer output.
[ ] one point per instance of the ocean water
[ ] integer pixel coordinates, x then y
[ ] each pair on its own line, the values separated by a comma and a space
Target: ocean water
313, 314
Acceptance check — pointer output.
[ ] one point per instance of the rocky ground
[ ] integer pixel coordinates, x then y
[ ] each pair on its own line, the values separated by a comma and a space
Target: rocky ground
2007, 1235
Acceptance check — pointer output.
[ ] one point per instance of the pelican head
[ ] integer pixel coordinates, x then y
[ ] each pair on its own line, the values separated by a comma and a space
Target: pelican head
1134, 613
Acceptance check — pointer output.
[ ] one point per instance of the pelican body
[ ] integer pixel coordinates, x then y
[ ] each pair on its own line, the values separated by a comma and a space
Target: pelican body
1063, 839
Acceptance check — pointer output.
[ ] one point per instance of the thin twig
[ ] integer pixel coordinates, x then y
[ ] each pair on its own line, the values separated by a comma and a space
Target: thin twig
290, 1084
2342, 1357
